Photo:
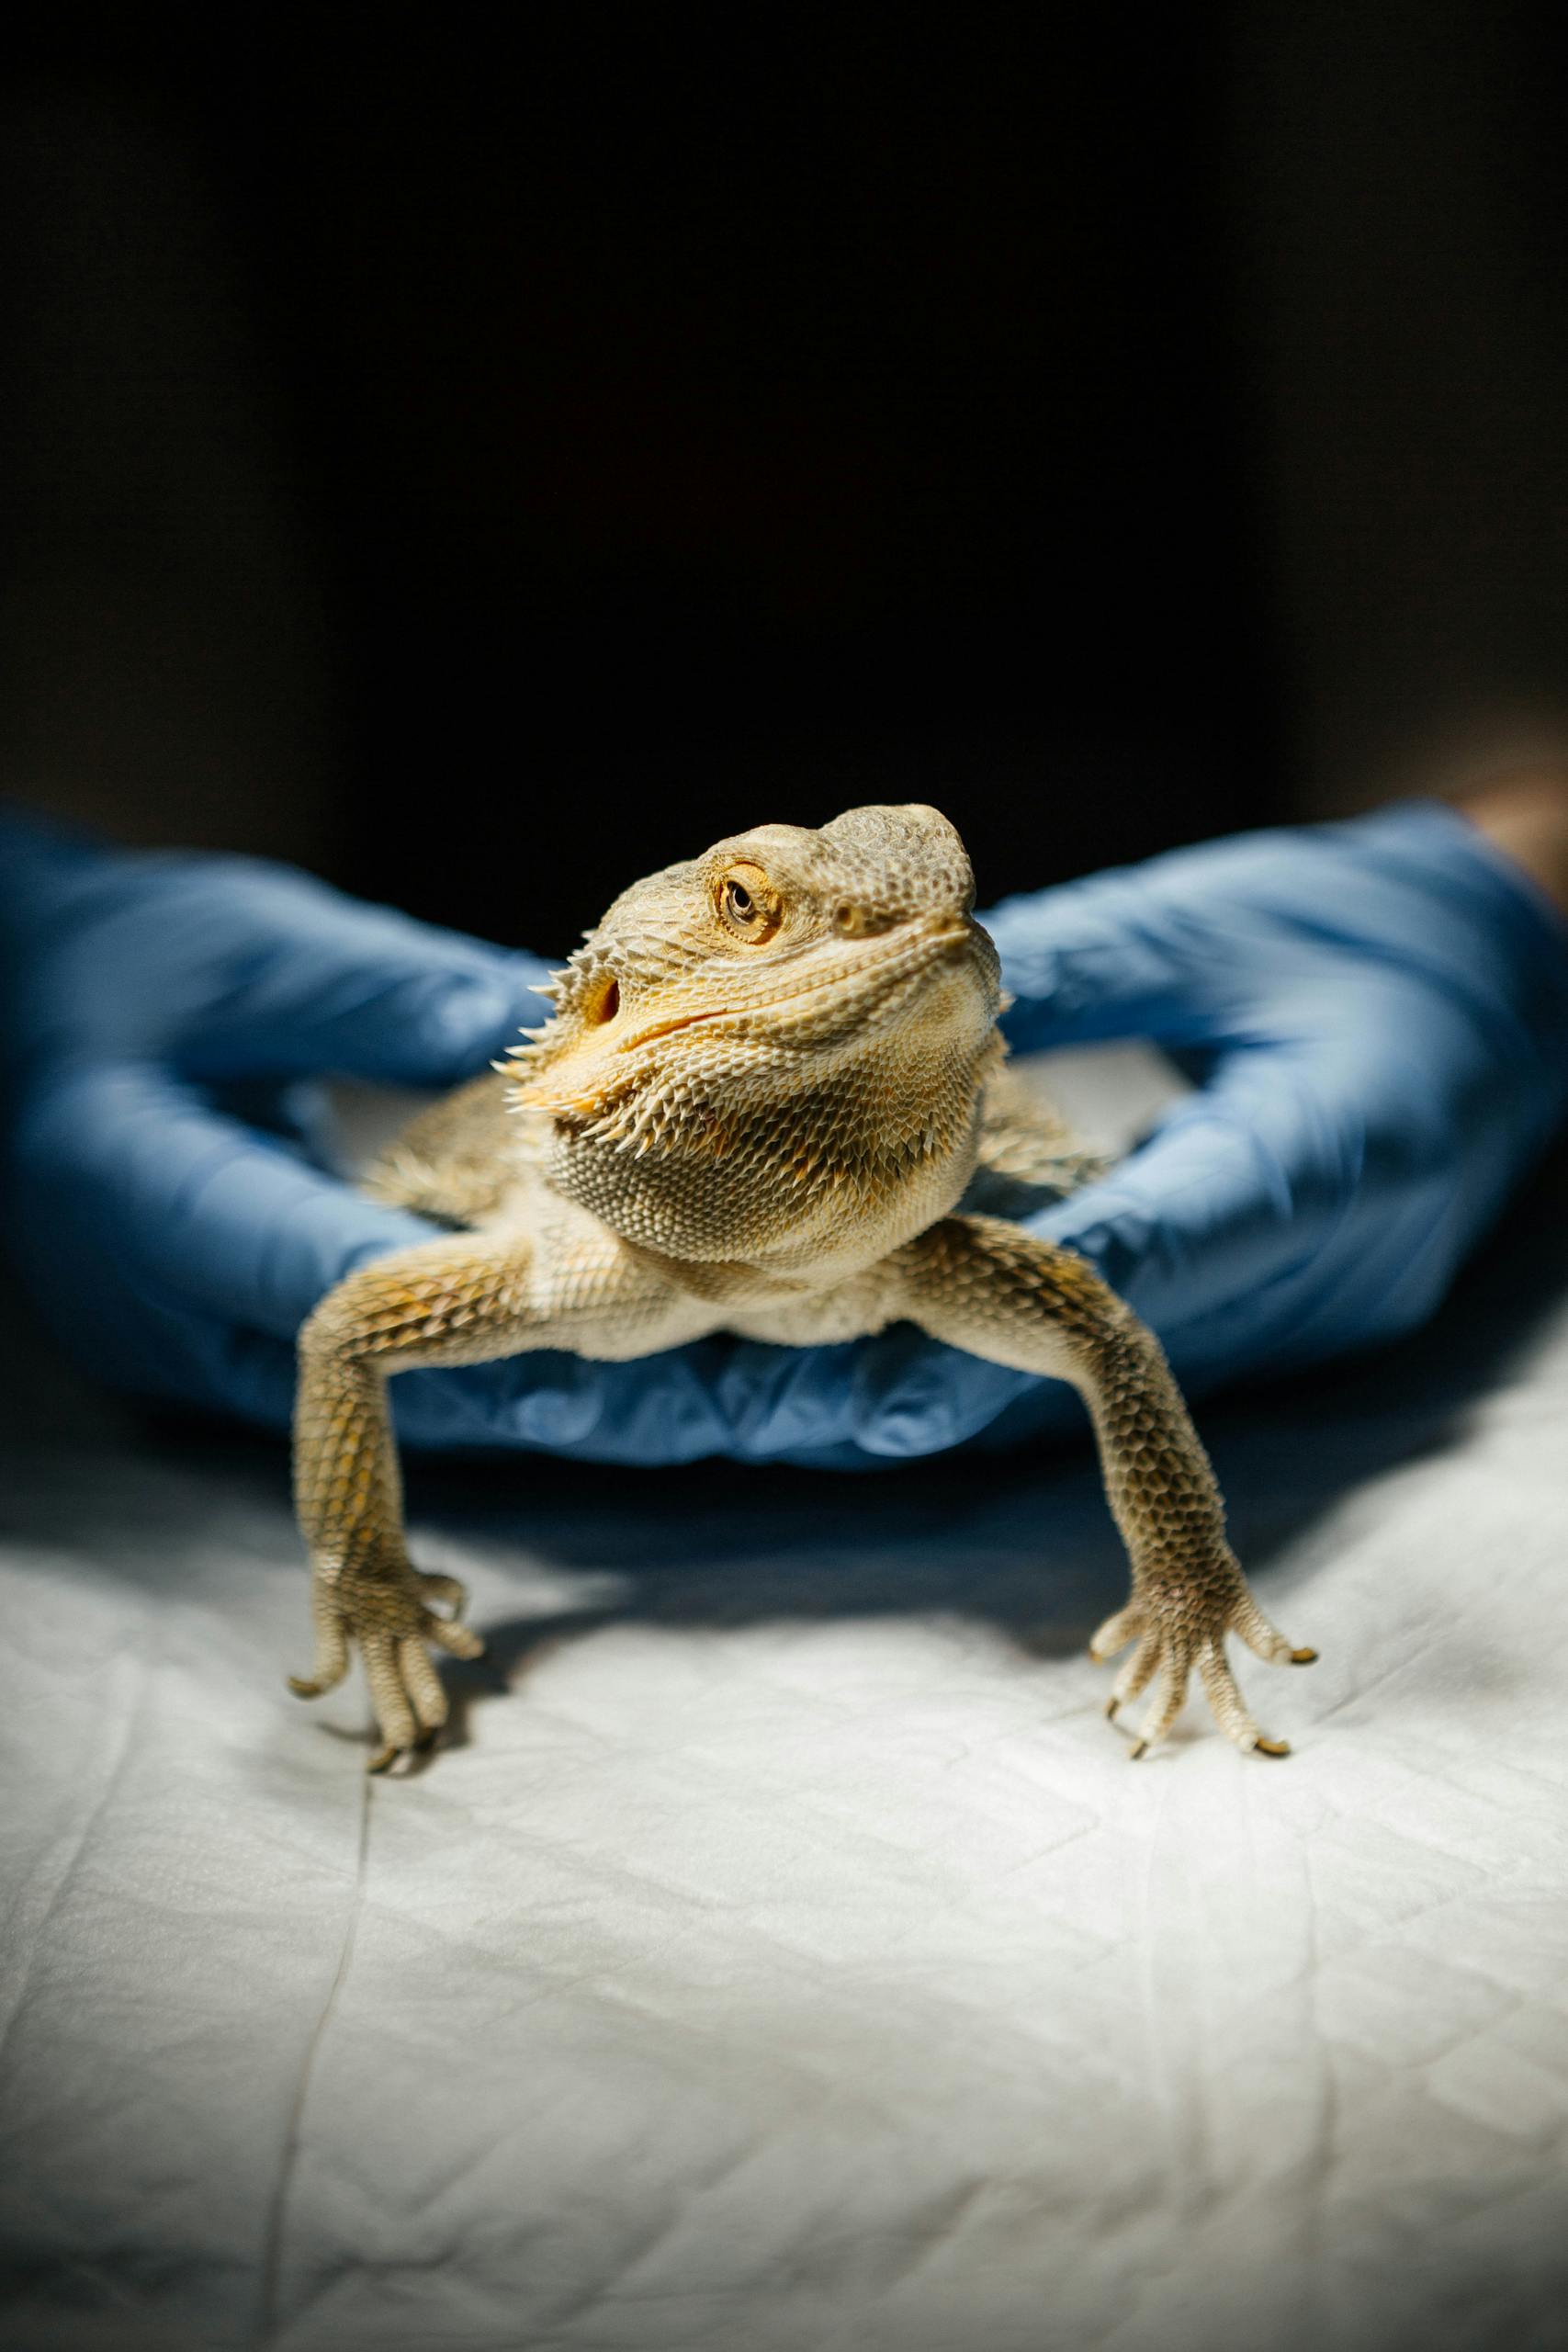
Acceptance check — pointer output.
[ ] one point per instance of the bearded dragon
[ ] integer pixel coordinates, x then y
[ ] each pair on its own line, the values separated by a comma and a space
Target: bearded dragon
770, 1077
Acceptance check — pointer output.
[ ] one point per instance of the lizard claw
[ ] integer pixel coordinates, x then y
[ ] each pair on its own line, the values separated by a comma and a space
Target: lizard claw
1173, 1637
385, 1611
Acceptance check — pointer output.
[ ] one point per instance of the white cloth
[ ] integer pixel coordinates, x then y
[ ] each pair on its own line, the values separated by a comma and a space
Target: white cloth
793, 1959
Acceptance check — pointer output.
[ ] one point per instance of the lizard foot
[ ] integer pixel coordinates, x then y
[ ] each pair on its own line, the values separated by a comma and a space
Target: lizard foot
1180, 1624
387, 1613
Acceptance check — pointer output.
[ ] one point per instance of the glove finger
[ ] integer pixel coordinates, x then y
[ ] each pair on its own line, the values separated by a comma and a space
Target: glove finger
808, 1404
657, 1409
918, 1397
869, 1401
231, 968
121, 1169
314, 981
778, 1400
1230, 1232
1104, 957
1231, 943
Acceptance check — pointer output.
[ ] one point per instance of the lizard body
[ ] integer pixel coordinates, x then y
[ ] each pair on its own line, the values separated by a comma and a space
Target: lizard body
771, 1078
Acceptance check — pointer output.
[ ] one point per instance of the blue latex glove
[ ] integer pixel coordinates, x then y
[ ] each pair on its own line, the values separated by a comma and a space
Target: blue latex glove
1378, 1014
1382, 1007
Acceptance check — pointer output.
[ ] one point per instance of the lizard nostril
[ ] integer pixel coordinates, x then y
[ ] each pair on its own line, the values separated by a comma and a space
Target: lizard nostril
848, 920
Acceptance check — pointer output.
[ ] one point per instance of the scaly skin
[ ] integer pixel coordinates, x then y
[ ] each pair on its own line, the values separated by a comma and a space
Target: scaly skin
772, 1076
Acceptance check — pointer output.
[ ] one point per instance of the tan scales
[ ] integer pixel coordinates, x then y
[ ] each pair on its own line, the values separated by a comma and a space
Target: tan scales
773, 1074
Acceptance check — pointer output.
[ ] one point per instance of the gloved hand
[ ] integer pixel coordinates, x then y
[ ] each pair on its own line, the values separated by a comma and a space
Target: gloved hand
174, 1243
1384, 1004
1378, 1014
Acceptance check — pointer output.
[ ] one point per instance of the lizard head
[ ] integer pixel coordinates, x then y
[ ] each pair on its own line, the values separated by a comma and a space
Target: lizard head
778, 1040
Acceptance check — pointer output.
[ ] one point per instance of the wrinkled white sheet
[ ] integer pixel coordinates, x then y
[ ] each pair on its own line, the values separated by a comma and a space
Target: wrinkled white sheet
793, 1959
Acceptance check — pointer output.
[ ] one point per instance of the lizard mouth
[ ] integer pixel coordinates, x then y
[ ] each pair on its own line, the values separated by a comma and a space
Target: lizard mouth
867, 988
855, 997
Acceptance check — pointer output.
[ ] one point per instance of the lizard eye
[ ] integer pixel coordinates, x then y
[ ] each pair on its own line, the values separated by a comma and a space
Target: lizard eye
748, 905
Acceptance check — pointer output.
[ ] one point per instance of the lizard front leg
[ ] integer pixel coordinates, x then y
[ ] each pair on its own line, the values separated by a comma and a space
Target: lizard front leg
989, 1288
464, 1298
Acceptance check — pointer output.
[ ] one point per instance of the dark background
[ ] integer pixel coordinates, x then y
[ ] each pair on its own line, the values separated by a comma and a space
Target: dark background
487, 461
